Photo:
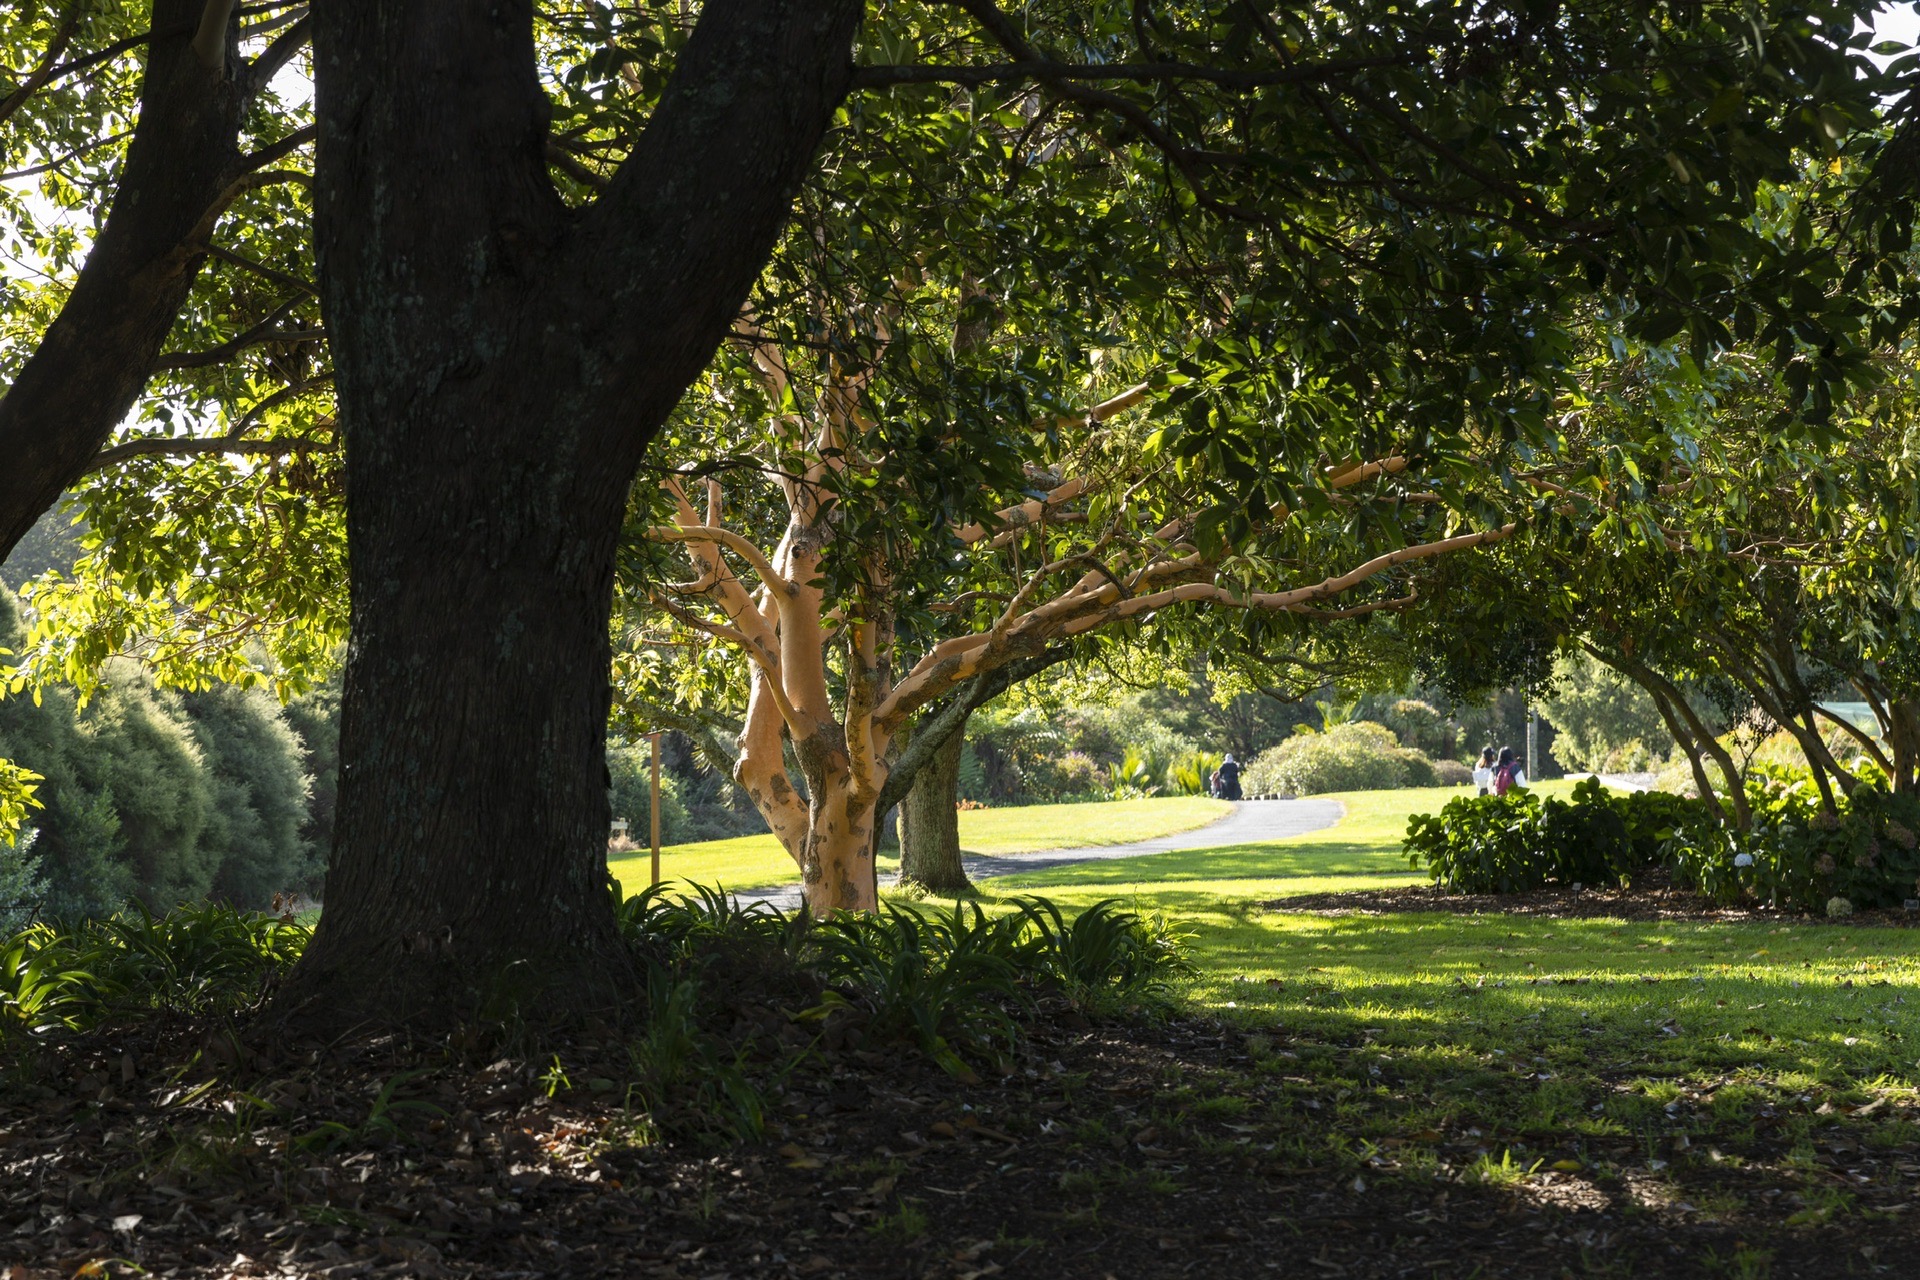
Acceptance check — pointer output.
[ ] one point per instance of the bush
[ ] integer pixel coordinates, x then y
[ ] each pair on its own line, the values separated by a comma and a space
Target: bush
141, 761
1796, 855
1419, 770
630, 770
1452, 773
1358, 756
21, 888
1517, 842
314, 718
1802, 855
1070, 776
1190, 774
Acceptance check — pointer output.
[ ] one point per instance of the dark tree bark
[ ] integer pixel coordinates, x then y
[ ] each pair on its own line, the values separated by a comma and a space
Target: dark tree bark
930, 823
181, 169
502, 363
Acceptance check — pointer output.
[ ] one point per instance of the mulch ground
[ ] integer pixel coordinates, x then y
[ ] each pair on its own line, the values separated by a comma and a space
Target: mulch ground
199, 1154
1651, 899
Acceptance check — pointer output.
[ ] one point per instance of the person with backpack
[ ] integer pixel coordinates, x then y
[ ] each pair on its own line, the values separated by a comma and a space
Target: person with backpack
1483, 772
1227, 780
1508, 774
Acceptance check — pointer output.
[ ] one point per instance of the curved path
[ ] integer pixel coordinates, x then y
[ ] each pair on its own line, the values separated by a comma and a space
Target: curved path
1250, 822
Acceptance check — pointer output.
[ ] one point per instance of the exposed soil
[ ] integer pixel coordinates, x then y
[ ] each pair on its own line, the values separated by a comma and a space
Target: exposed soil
1182, 1149
1650, 899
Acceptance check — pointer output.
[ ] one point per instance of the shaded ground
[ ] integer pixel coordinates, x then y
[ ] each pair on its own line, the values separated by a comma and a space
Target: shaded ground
1653, 898
1189, 1148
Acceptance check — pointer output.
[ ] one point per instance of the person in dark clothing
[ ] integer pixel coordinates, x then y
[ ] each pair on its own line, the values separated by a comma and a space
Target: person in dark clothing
1227, 781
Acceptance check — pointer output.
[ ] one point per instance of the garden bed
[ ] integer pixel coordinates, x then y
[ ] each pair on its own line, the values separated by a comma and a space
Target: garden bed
1652, 898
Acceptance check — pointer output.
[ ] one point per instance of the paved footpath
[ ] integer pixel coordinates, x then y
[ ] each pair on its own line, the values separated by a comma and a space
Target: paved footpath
1250, 822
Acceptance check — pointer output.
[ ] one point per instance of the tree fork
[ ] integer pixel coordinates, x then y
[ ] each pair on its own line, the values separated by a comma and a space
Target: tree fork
502, 364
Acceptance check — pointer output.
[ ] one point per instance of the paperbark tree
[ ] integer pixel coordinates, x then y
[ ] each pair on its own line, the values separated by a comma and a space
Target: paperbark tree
822, 665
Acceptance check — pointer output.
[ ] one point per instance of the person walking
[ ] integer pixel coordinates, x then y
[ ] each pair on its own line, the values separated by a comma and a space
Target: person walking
1227, 780
1508, 774
1483, 772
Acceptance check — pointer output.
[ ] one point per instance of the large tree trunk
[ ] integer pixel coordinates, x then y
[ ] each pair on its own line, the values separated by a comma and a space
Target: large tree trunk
95, 357
930, 824
502, 364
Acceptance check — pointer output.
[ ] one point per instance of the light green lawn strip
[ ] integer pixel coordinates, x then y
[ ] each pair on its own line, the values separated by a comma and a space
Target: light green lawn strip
1724, 998
751, 861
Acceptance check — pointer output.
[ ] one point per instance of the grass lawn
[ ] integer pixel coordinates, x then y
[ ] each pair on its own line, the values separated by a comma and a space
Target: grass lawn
753, 861
1705, 1064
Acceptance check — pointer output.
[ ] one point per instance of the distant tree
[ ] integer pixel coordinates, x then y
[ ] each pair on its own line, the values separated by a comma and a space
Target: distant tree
260, 791
1596, 711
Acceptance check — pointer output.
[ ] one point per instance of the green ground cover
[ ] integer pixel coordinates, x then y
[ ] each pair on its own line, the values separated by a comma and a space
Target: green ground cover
1711, 1063
753, 861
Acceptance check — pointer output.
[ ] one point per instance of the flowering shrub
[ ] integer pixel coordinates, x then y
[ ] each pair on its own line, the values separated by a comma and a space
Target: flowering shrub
1804, 856
1356, 756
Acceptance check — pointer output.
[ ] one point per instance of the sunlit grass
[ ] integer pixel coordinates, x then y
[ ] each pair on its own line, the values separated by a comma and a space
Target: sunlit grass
752, 861
1805, 1001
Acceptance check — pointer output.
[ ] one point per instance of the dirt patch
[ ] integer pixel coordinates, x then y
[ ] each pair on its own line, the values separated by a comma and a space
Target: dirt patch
1650, 900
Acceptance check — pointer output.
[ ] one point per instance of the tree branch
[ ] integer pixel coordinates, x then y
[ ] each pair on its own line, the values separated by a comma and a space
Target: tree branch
1047, 71
210, 41
264, 271
741, 546
160, 446
278, 54
262, 332
274, 152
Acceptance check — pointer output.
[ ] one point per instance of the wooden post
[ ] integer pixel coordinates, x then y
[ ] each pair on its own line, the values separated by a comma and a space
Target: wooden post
653, 808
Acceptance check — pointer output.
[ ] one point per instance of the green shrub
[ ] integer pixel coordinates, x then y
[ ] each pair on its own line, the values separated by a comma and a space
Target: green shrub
1072, 775
142, 761
1419, 771
1104, 958
1517, 842
1802, 855
1356, 756
630, 767
1190, 774
951, 982
1452, 773
1796, 854
1132, 776
942, 981
22, 890
314, 718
